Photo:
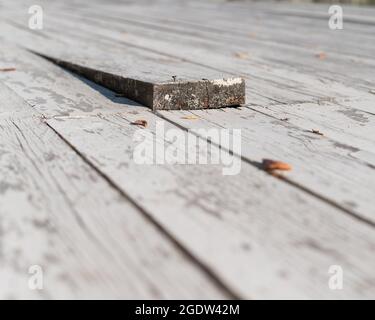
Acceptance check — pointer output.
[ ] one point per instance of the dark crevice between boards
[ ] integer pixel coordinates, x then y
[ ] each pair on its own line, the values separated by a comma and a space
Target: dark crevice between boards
220, 284
172, 95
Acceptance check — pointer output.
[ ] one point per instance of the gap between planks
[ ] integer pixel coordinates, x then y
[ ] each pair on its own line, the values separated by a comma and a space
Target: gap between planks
225, 288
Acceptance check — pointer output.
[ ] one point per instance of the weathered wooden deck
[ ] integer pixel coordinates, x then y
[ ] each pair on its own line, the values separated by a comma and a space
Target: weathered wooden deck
73, 201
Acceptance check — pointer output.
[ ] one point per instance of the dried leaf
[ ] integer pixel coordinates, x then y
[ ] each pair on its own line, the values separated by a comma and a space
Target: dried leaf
321, 55
142, 123
252, 35
241, 55
7, 69
271, 165
190, 117
317, 132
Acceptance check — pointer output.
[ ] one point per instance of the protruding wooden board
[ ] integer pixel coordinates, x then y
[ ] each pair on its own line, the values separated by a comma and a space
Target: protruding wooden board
91, 242
278, 72
285, 71
147, 77
175, 94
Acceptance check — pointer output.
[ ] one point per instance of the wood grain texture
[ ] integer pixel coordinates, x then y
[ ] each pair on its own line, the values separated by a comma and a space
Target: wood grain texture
58, 213
293, 79
270, 238
335, 180
268, 228
273, 84
266, 86
140, 75
345, 124
54, 91
11, 106
257, 34
322, 165
213, 220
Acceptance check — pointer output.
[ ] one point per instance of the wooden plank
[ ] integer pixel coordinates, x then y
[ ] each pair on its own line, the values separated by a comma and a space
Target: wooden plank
58, 213
54, 91
345, 124
140, 75
167, 95
10, 106
266, 227
323, 15
276, 88
252, 26
270, 84
321, 165
273, 83
253, 21
288, 92
313, 7
365, 102
254, 85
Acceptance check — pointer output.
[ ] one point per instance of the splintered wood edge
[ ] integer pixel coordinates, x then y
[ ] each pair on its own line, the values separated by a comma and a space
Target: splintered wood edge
177, 95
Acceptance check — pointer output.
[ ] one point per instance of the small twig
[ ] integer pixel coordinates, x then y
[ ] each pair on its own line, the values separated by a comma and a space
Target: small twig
317, 132
7, 69
142, 123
